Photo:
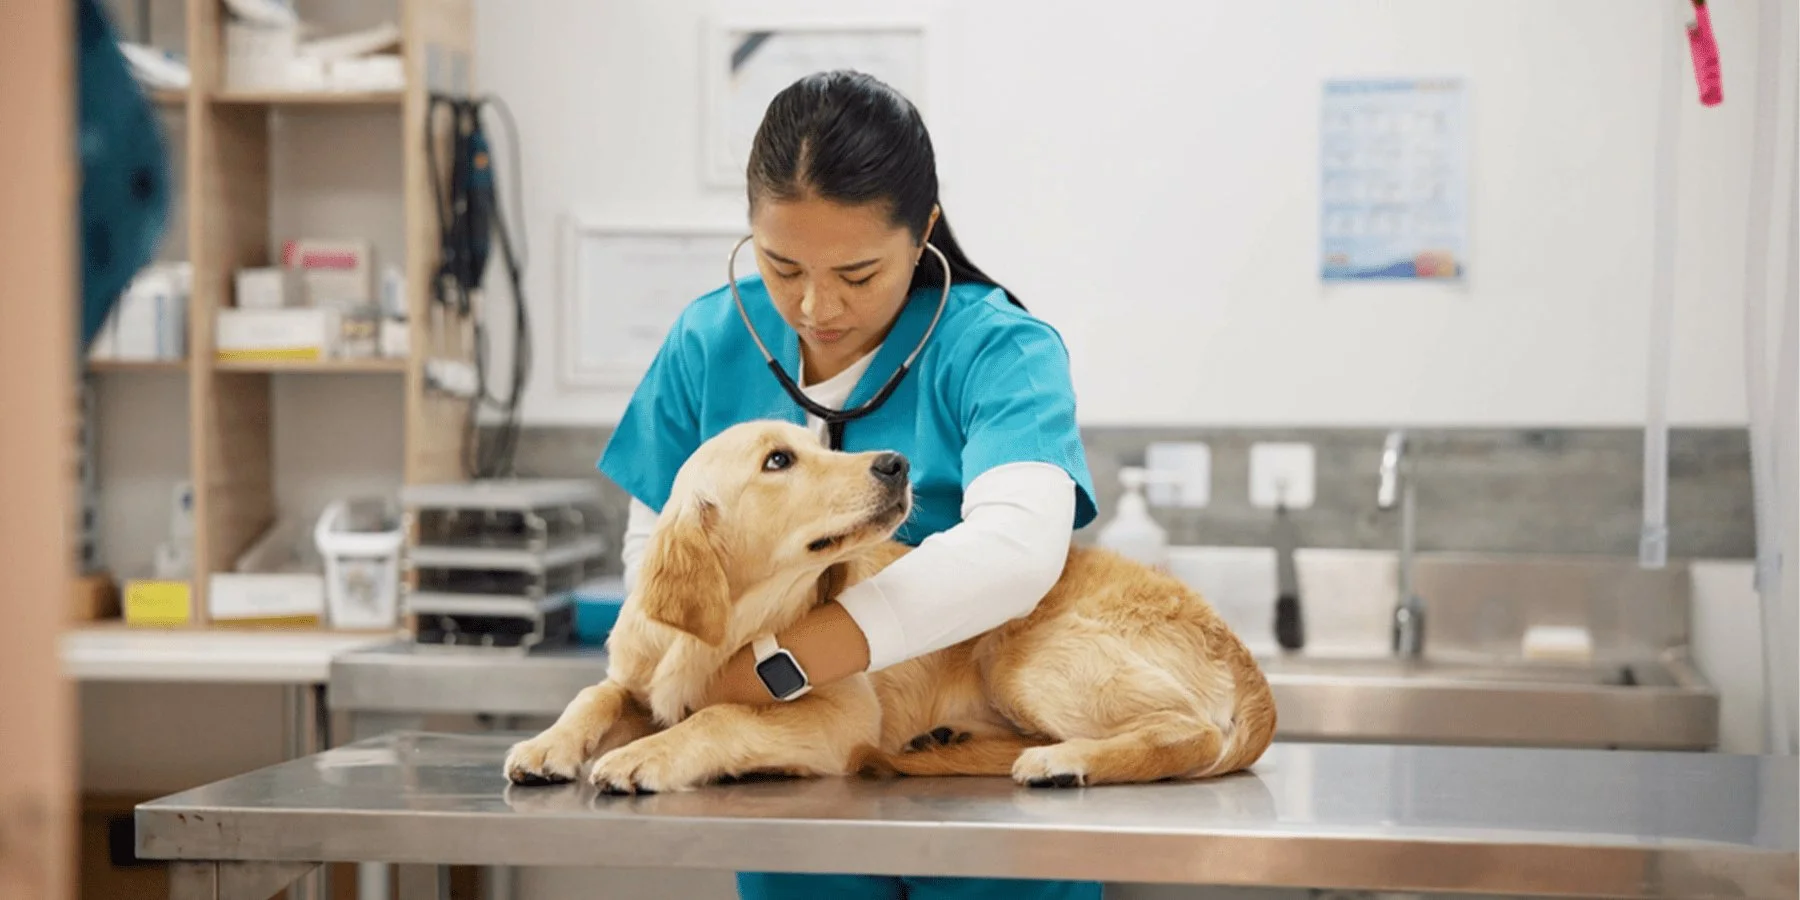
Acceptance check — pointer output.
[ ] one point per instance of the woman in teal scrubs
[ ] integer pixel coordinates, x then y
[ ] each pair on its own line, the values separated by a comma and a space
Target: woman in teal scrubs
857, 271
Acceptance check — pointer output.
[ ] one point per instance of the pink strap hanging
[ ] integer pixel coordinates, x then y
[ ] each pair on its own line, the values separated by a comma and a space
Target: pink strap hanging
1705, 50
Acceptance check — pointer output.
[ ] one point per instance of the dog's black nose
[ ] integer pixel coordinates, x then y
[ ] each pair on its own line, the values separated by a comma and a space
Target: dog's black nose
889, 468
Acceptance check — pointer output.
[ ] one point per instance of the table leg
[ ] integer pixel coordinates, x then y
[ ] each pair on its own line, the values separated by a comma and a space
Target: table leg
373, 880
424, 882
497, 881
193, 881
304, 707
233, 880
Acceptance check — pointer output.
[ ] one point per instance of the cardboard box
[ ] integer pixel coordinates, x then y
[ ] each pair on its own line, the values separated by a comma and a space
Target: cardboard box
266, 334
258, 56
269, 598
93, 597
333, 273
268, 287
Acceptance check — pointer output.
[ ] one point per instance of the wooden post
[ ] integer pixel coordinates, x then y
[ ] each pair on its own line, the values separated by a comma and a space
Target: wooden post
39, 203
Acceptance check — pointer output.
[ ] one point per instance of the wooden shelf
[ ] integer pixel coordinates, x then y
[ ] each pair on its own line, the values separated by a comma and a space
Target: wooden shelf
309, 98
227, 179
119, 625
137, 365
383, 365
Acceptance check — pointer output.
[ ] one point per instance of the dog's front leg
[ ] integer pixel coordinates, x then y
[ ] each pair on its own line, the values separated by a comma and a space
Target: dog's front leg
823, 733
557, 753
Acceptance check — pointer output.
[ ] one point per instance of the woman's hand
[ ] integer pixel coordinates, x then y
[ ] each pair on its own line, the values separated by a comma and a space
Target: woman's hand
826, 642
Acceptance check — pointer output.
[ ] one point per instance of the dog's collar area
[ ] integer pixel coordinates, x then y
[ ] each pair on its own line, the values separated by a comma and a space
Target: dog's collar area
831, 583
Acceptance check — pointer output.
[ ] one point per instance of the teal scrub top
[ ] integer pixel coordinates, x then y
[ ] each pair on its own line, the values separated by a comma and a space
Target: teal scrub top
991, 387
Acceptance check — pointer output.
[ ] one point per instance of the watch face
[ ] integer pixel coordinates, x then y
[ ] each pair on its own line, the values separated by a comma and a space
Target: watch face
780, 674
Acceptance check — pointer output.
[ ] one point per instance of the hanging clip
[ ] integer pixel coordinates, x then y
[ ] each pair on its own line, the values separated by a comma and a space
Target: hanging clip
1705, 50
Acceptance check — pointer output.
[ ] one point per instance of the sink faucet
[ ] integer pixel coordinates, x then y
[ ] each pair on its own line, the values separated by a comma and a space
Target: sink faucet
1397, 485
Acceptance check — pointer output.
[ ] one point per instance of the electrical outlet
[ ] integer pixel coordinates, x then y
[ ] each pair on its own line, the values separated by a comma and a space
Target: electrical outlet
1180, 474
1281, 474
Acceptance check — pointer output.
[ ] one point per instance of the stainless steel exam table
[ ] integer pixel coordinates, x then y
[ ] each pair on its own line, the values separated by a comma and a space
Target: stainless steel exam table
1577, 823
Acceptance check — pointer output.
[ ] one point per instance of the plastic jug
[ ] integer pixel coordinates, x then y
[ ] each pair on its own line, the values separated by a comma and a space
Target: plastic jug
1132, 532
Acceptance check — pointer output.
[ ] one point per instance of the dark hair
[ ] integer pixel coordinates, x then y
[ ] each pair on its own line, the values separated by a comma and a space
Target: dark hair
847, 137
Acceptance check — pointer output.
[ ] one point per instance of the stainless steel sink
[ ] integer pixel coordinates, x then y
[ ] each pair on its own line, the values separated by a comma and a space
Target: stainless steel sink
1440, 671
1473, 685
1639, 705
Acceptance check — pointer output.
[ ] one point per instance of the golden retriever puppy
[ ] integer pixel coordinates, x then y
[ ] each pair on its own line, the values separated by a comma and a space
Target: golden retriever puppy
1121, 673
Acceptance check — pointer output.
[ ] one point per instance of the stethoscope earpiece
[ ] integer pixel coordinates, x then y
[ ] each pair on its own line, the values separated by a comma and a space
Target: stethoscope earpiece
835, 418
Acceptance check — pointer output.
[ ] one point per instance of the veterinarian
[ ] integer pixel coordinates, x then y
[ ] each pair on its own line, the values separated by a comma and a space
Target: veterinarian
852, 253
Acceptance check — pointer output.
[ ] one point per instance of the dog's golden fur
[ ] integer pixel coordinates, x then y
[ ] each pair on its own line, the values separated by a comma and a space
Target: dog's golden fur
1120, 674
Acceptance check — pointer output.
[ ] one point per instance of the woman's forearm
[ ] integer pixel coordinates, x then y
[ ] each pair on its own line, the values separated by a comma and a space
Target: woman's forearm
826, 642
992, 567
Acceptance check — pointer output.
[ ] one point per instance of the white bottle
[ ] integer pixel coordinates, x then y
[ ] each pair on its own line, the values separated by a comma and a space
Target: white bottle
1132, 532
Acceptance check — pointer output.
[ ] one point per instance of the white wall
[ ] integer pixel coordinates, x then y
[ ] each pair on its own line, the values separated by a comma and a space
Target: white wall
1192, 263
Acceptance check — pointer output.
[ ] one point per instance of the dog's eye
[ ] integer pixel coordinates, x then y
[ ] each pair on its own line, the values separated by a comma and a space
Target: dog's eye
778, 460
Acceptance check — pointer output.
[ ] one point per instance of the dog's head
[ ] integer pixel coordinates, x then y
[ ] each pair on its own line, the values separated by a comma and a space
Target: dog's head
763, 503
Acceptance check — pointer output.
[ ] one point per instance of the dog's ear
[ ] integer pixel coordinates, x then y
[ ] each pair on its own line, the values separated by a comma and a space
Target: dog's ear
682, 583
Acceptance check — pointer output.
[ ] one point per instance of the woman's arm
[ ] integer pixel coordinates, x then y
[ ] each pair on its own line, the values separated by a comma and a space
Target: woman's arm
640, 521
994, 566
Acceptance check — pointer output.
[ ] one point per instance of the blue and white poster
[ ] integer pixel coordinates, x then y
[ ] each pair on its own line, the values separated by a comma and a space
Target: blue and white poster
1395, 180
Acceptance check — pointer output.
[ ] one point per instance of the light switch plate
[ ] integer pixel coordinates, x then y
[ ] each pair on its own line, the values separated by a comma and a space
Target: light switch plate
1180, 474
1281, 474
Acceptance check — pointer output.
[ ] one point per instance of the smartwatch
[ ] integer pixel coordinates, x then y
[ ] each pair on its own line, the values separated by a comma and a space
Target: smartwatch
779, 671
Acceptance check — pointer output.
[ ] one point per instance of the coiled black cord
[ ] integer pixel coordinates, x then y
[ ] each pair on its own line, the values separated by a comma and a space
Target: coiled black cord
468, 210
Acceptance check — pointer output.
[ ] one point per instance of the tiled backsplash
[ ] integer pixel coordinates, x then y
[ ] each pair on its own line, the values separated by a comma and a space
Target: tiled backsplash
1496, 490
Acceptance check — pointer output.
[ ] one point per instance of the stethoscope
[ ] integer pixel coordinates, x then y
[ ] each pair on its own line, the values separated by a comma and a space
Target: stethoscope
835, 418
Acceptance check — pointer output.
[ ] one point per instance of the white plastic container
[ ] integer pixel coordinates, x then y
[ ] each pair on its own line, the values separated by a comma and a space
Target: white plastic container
1132, 532
360, 542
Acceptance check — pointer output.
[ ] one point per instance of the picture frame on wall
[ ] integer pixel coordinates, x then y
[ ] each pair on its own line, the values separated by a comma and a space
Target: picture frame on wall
747, 60
1394, 179
623, 286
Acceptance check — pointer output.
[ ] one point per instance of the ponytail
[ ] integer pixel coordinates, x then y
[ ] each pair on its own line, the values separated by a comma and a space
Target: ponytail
930, 273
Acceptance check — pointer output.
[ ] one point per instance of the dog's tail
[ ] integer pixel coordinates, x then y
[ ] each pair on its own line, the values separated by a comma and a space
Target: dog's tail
981, 755
1254, 724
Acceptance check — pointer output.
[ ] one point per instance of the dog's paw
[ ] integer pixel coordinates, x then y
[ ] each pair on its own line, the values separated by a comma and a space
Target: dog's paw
645, 767
1052, 766
942, 736
549, 758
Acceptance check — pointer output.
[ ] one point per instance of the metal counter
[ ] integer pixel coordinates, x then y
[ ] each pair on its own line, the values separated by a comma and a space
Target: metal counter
391, 687
402, 679
1617, 824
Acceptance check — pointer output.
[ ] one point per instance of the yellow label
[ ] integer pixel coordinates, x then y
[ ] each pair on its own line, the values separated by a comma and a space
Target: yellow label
254, 622
158, 602
267, 354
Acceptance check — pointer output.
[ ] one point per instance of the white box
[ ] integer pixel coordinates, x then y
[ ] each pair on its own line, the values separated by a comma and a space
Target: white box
382, 72
266, 334
251, 596
259, 57
333, 273
149, 321
396, 338
268, 287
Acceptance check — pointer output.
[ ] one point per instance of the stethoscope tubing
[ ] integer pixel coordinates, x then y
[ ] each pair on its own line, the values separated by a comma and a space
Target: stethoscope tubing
835, 417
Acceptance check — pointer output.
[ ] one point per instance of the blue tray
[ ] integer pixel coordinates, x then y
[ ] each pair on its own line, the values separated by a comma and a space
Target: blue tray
597, 606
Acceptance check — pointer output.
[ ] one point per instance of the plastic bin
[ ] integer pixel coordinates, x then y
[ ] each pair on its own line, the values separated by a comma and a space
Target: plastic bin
360, 541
